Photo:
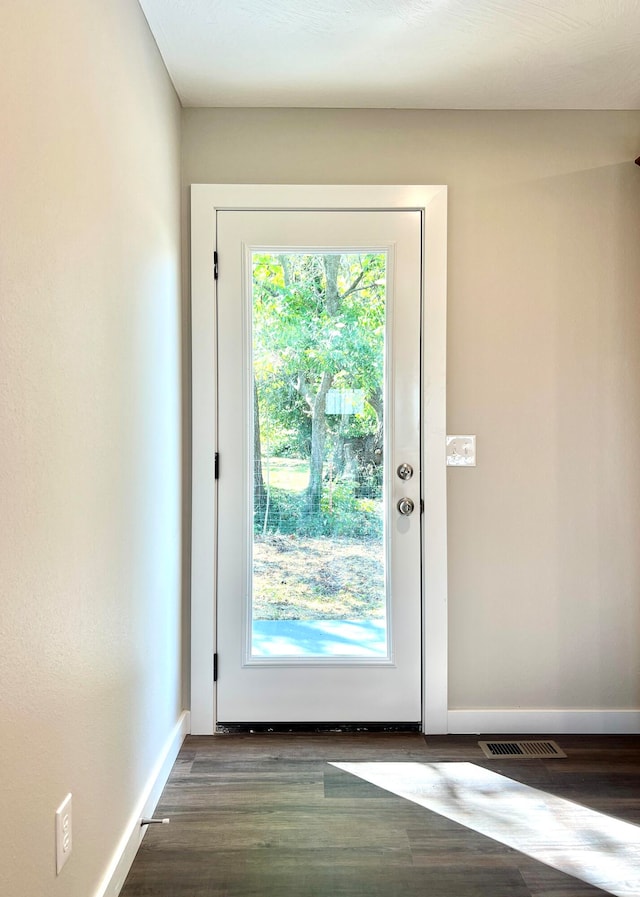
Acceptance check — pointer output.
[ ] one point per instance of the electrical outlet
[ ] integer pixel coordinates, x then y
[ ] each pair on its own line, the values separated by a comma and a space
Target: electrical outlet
64, 837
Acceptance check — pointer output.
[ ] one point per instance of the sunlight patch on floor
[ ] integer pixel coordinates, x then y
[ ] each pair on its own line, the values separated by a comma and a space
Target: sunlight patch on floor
598, 849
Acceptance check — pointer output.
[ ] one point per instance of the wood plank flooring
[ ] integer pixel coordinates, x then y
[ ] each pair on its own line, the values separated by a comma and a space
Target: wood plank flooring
266, 815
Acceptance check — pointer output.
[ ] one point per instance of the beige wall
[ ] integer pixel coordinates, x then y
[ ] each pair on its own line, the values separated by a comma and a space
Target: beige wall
543, 365
90, 452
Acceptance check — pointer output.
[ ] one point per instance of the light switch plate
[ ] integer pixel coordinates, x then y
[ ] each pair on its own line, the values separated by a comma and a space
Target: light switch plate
461, 451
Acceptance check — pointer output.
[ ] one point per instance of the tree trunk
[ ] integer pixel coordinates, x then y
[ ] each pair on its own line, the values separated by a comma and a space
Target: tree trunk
331, 269
319, 403
318, 441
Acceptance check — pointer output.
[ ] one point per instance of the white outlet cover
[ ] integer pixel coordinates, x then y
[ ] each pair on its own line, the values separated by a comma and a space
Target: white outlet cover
461, 451
64, 836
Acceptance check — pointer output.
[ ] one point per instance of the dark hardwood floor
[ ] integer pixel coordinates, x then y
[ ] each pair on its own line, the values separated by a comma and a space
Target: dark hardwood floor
265, 815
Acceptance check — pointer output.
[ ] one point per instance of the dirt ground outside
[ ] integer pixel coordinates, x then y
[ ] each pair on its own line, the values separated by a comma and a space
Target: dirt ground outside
317, 578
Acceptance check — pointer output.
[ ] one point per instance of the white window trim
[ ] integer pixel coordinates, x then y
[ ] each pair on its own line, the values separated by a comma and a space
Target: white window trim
431, 201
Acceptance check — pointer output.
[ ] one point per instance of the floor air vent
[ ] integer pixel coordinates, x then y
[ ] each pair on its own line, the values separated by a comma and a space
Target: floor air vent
533, 750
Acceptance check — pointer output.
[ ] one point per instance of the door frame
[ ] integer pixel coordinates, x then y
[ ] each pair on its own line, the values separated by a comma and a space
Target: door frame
431, 202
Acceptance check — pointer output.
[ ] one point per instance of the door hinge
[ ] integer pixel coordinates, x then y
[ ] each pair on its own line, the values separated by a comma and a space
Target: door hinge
216, 466
422, 506
215, 667
215, 265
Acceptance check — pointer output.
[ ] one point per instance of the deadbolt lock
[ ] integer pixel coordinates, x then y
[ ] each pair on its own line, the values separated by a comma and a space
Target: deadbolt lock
405, 471
405, 506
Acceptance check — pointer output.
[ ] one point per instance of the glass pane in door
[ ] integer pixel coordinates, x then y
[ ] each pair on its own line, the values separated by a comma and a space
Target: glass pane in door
318, 581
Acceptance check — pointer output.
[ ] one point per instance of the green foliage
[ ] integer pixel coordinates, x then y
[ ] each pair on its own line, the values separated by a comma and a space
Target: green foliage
342, 514
284, 422
298, 331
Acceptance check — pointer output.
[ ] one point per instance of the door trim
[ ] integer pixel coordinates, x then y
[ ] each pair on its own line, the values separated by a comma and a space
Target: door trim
431, 201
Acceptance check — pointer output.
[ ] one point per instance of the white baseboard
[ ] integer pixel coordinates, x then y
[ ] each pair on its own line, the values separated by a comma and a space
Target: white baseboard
548, 722
123, 857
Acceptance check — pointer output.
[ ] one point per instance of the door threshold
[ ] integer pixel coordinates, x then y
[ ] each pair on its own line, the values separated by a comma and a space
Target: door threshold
313, 728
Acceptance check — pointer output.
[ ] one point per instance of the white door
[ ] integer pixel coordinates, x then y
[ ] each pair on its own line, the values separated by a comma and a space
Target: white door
319, 502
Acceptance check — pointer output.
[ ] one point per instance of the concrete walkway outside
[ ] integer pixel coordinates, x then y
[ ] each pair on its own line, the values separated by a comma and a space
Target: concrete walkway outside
319, 638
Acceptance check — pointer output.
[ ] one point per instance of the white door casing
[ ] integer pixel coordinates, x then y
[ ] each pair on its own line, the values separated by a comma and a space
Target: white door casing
430, 202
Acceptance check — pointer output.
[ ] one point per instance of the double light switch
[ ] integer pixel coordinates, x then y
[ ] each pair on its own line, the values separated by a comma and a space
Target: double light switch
461, 451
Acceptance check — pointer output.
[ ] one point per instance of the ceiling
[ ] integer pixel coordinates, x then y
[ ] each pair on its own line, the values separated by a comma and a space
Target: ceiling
415, 54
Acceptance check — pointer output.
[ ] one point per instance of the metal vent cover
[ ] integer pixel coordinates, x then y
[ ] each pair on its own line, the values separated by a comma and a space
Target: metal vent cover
533, 750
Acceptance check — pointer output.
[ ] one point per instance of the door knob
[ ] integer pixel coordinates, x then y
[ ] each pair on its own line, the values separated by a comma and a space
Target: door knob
405, 506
